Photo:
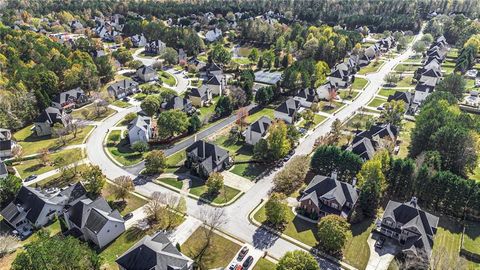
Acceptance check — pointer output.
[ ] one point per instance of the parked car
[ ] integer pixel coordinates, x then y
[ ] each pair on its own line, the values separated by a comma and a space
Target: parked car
239, 267
232, 266
242, 253
126, 99
280, 164
248, 262
380, 242
128, 216
30, 178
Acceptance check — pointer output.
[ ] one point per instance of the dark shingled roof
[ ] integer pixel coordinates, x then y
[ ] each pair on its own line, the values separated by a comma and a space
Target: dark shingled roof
261, 125
307, 94
5, 145
290, 106
210, 154
403, 96
3, 168
95, 221
29, 200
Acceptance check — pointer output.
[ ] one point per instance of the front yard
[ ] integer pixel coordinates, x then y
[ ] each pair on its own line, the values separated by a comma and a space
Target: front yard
264, 264
167, 78
373, 67
32, 144
120, 149
359, 83
131, 202
376, 102
220, 252
89, 113
226, 194
121, 103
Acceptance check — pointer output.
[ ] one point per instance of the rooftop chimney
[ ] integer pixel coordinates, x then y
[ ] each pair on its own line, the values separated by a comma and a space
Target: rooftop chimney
413, 201
334, 175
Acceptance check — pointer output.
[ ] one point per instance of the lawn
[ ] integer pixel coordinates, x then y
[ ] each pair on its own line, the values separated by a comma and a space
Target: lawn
176, 158
406, 81
174, 182
32, 144
238, 149
121, 104
57, 181
452, 53
447, 240
36, 166
447, 68
225, 194
220, 252
208, 111
241, 60
470, 84
91, 115
376, 102
317, 119
356, 251
359, 83
407, 67
404, 138
131, 202
347, 95
248, 170
297, 228
244, 51
122, 152
387, 92
167, 78
471, 239
371, 68
359, 118
268, 112
331, 107
264, 264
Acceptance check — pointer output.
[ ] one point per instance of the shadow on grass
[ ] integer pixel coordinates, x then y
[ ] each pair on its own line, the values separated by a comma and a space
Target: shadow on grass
361, 227
134, 234
118, 205
34, 168
302, 226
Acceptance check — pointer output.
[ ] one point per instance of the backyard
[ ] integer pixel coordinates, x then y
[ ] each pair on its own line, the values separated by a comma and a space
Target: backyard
404, 138
471, 238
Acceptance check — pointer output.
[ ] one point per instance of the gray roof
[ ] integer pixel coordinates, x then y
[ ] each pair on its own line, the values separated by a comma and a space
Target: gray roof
146, 70
363, 147
154, 252
51, 115
176, 103
122, 85
261, 125
3, 168
308, 94
142, 122
79, 213
290, 107
211, 155
5, 134
403, 96
199, 92
75, 93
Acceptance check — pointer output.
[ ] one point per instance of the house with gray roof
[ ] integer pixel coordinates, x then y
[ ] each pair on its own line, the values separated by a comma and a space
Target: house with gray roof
412, 227
94, 221
307, 97
200, 96
70, 99
257, 130
406, 97
49, 117
3, 170
325, 195
178, 103
140, 129
6, 143
366, 142
288, 111
155, 47
139, 40
34, 208
123, 88
154, 252
204, 158
147, 73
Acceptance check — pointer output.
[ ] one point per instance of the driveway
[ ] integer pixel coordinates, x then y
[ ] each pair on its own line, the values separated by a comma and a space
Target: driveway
236, 181
380, 259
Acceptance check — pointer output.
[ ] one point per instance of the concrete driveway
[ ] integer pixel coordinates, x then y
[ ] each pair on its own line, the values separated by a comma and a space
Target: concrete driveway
236, 181
380, 259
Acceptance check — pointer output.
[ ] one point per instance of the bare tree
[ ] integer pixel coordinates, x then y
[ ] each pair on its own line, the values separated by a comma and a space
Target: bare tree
153, 209
74, 126
242, 115
17, 152
61, 134
8, 243
85, 114
44, 156
213, 219
175, 206
124, 185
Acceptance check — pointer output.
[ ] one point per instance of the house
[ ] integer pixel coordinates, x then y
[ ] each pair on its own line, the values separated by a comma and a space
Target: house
386, 44
154, 252
182, 56
3, 170
155, 47
288, 111
139, 40
204, 158
363, 148
123, 88
257, 130
147, 73
216, 83
94, 221
211, 69
431, 74
366, 142
178, 103
70, 99
340, 78
196, 64
406, 97
50, 116
472, 73
307, 97
325, 195
140, 129
200, 96
6, 143
97, 53
76, 25
213, 35
423, 89
34, 208
326, 91
412, 227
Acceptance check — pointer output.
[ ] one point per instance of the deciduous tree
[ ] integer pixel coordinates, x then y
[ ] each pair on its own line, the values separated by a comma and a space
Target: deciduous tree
155, 162
297, 260
94, 180
123, 186
276, 209
333, 232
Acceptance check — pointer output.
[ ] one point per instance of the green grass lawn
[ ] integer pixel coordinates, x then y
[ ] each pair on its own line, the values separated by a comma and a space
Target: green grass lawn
248, 170
347, 95
374, 66
225, 194
245, 51
376, 102
208, 111
121, 104
359, 83
264, 264
268, 112
404, 138
167, 78
176, 158
174, 182
406, 81
91, 114
122, 152
202, 58
32, 144
238, 149
452, 53
220, 252
356, 251
470, 84
120, 245
297, 228
407, 67
316, 120
36, 166
387, 92
447, 239
331, 108
242, 61
57, 181
471, 239
131, 202
362, 119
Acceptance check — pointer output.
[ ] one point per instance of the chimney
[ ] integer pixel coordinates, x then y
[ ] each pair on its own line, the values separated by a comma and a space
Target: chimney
334, 175
354, 181
413, 201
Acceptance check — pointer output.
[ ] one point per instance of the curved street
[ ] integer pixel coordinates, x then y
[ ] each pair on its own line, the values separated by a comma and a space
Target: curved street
238, 212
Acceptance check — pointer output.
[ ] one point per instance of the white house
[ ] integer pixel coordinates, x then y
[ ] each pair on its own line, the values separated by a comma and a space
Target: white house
325, 91
123, 88
306, 97
287, 111
340, 78
94, 221
155, 47
6, 143
147, 73
257, 130
216, 83
139, 40
213, 35
140, 129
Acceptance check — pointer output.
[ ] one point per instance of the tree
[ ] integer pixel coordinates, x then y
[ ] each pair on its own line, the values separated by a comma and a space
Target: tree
427, 38
44, 156
264, 95
123, 186
9, 188
253, 56
214, 183
276, 209
327, 159
370, 180
153, 209
194, 124
242, 115
212, 219
172, 122
57, 252
224, 106
105, 68
297, 260
94, 180
238, 96
419, 47
308, 116
260, 63
151, 104
140, 146
155, 162
392, 79
128, 43
220, 55
321, 72
278, 142
130, 117
292, 176
336, 130
170, 55
453, 83
333, 232
393, 112
8, 244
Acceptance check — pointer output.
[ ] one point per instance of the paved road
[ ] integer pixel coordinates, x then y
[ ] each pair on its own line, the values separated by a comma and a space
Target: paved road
238, 212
